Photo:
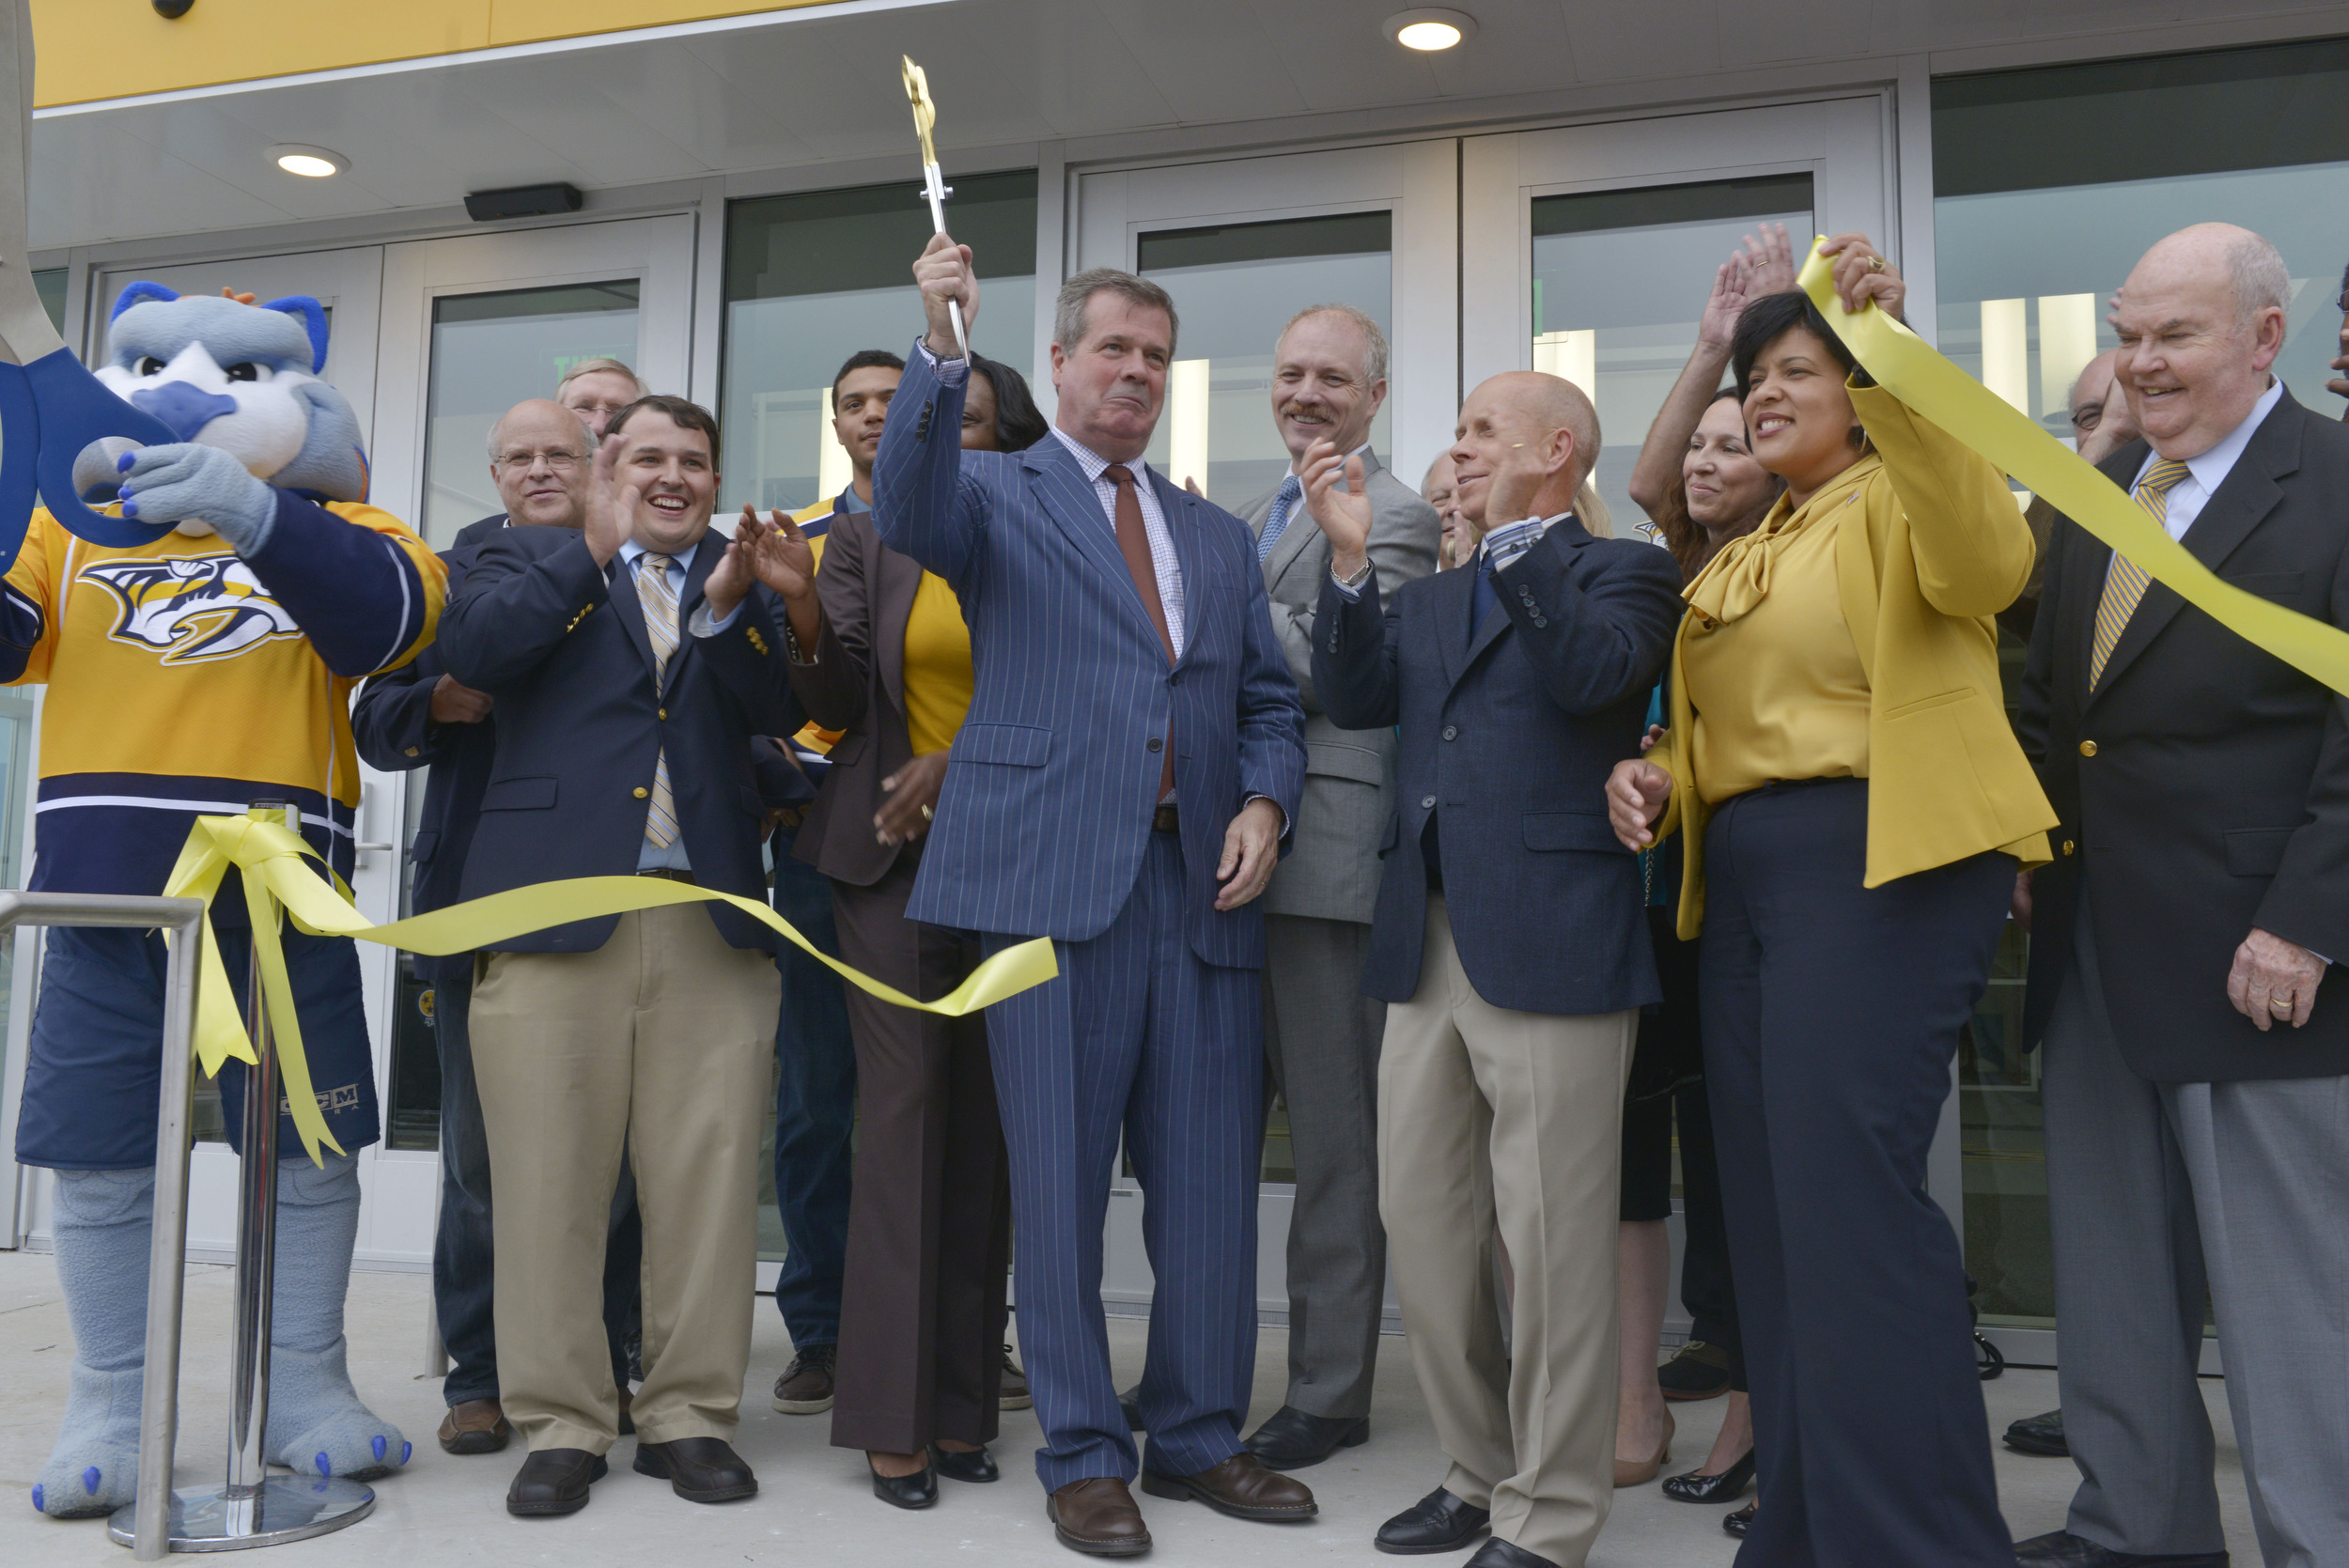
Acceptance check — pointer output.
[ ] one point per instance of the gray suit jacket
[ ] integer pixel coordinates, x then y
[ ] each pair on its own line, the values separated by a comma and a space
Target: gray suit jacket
1332, 872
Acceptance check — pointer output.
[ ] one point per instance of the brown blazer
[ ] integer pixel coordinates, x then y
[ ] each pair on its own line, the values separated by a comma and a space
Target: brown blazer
857, 684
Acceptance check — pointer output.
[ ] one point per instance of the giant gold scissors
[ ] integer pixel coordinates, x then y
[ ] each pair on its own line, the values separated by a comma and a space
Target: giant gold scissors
933, 184
50, 406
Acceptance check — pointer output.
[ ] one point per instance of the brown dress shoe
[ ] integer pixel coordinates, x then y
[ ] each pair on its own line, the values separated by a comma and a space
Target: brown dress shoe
475, 1426
1099, 1518
1242, 1486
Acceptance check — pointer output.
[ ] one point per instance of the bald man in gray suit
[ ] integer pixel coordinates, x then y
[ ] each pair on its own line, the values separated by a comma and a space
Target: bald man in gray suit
1321, 1033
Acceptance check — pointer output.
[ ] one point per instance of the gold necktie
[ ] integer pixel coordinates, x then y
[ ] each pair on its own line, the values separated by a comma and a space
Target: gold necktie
2125, 582
659, 599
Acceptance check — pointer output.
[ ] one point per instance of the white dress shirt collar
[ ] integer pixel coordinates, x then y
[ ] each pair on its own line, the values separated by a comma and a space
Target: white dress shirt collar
1094, 464
2209, 470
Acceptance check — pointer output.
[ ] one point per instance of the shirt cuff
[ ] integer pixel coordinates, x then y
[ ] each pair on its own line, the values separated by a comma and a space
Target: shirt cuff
951, 372
1352, 591
703, 625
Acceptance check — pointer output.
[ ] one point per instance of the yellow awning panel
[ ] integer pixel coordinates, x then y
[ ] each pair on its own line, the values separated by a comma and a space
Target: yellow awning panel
97, 49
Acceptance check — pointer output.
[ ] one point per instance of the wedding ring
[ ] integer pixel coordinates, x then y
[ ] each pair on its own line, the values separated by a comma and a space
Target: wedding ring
928, 813
1875, 264
2280, 1005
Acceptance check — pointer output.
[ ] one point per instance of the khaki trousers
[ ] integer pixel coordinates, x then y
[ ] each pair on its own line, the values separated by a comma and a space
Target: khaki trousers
662, 1041
1492, 1117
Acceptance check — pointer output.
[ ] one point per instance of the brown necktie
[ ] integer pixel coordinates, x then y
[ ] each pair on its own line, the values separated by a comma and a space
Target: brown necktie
1133, 542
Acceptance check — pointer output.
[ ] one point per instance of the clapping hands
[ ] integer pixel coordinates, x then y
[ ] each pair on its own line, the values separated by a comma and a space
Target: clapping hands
776, 553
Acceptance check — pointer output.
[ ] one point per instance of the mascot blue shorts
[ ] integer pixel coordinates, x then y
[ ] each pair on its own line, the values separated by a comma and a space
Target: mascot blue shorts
193, 675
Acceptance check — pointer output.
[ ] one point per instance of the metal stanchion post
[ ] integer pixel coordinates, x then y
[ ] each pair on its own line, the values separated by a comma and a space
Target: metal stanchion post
253, 1508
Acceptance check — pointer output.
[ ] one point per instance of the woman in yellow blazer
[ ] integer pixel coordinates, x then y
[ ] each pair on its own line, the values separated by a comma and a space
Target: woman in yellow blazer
1856, 807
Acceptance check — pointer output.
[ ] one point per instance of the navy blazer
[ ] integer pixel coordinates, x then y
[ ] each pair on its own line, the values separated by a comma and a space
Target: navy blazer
1509, 739
560, 643
1046, 810
391, 722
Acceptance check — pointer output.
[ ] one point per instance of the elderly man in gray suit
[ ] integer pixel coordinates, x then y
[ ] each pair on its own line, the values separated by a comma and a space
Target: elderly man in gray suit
1321, 1033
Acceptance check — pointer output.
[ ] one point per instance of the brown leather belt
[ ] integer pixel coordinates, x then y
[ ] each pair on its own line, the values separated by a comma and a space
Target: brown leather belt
670, 874
1166, 819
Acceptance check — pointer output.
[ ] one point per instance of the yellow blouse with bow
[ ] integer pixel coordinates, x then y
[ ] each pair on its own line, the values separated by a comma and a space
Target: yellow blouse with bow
1927, 545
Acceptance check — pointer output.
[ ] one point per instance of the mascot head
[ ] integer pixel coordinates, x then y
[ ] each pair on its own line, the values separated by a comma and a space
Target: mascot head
225, 372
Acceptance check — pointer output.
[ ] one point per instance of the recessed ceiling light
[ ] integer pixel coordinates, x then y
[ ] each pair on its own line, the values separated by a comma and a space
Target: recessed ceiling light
311, 163
1429, 29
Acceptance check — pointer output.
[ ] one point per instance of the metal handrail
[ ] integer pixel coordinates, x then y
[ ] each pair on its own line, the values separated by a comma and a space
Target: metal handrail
159, 1409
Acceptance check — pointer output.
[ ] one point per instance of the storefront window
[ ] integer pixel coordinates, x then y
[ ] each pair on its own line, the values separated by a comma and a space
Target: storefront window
2048, 184
812, 278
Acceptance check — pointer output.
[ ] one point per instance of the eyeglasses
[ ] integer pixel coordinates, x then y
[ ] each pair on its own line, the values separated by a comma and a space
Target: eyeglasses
560, 461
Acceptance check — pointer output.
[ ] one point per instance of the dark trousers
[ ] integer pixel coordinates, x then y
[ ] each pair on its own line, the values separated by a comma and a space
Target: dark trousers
815, 1108
463, 1257
929, 1221
1138, 1034
1832, 1018
1667, 1087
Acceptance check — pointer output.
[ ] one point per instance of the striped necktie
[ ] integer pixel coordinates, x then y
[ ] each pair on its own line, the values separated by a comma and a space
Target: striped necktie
1292, 489
2125, 582
659, 599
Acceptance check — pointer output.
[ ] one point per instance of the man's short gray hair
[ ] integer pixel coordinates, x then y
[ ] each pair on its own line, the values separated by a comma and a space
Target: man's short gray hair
2261, 279
1075, 297
600, 365
1374, 338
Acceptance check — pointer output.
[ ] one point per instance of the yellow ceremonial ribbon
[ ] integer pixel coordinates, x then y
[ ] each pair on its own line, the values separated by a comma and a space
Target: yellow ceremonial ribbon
269, 857
1904, 366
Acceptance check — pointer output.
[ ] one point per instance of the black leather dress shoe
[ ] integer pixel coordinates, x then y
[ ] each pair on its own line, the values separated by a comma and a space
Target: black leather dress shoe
1130, 1406
978, 1464
1728, 1487
699, 1470
918, 1490
1439, 1522
1290, 1439
2039, 1435
554, 1482
1498, 1553
2062, 1549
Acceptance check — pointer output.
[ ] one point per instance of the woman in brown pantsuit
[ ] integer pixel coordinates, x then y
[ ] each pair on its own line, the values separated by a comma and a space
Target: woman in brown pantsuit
923, 1307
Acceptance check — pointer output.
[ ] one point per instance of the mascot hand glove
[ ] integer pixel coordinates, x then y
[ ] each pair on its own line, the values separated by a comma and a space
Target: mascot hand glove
192, 483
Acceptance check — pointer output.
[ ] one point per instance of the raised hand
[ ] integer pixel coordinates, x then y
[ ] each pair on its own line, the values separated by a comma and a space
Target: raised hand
944, 272
1719, 323
1770, 262
1861, 274
612, 502
1344, 514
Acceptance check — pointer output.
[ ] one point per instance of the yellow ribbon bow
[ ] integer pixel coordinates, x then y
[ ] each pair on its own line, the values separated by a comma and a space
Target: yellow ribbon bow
269, 856
1905, 366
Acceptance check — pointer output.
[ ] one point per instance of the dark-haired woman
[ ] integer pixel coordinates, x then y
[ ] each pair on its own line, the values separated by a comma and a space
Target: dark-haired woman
1856, 807
1000, 414
918, 1380
1700, 487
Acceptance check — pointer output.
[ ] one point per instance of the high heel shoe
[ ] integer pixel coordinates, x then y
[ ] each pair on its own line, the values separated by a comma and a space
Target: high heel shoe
918, 1490
1696, 1487
1634, 1473
1735, 1523
977, 1464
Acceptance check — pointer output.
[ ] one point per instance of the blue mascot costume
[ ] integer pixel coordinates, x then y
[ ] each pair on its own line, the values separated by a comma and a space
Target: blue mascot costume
191, 674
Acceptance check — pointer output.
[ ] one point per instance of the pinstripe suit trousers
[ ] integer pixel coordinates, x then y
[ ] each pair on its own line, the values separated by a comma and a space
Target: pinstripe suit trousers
1139, 1034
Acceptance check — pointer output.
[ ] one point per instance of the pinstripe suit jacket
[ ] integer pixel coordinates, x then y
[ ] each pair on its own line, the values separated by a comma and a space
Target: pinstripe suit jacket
1050, 786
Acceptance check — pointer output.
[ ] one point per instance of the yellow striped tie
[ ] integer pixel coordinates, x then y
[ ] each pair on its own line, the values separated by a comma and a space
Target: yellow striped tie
659, 599
2126, 581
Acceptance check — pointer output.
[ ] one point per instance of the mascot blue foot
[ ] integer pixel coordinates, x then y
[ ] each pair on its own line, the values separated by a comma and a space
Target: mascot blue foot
100, 1220
317, 1424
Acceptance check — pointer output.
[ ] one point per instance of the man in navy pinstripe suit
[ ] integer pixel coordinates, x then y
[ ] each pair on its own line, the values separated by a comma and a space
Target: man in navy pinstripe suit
1133, 756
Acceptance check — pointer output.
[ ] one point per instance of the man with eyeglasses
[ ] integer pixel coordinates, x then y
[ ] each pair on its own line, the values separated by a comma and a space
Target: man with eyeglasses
420, 716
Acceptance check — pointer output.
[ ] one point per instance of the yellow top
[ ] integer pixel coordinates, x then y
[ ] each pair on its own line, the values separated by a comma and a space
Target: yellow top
1943, 548
939, 677
1777, 689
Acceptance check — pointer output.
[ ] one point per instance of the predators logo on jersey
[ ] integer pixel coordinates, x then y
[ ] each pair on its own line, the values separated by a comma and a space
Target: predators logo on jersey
191, 609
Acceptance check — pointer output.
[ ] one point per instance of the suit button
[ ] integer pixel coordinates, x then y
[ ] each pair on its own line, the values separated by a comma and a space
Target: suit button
1452, 732
1525, 595
1174, 680
2068, 847
641, 792
2088, 748
1156, 744
1427, 802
